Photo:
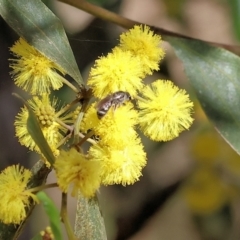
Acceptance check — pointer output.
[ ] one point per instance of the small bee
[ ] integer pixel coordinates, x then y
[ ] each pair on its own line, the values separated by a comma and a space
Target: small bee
113, 100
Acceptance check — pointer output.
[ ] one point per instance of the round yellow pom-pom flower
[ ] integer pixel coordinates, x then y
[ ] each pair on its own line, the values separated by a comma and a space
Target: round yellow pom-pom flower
34, 72
164, 111
116, 128
72, 168
143, 43
118, 71
48, 118
120, 165
14, 196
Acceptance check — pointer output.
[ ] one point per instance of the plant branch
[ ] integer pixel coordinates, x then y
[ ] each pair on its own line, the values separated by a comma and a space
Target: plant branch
101, 13
42, 187
65, 219
128, 23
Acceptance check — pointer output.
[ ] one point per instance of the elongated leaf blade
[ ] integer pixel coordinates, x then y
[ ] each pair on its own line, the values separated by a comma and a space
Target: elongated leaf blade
89, 223
235, 8
215, 75
33, 21
52, 213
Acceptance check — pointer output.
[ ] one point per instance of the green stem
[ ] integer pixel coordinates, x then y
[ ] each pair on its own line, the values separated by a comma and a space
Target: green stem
70, 129
60, 122
69, 84
42, 187
78, 121
67, 107
86, 138
65, 218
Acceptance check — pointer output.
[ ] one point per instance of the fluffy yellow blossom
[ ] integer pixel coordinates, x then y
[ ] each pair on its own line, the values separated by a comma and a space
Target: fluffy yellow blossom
14, 196
48, 118
116, 128
72, 168
164, 111
118, 71
120, 165
90, 119
32, 71
144, 44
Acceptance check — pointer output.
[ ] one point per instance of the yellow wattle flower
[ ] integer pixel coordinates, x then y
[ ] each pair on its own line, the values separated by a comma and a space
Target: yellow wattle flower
164, 111
90, 119
116, 128
145, 45
118, 71
120, 165
74, 169
32, 71
48, 117
14, 196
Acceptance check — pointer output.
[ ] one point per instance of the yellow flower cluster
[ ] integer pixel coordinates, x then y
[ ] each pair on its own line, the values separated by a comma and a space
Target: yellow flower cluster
124, 103
36, 74
137, 55
161, 111
49, 121
14, 195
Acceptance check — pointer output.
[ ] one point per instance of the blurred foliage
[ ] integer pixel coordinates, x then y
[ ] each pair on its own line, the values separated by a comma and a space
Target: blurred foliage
175, 8
52, 213
214, 183
235, 15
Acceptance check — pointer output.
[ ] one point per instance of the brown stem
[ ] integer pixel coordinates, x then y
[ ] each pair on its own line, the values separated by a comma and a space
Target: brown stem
127, 23
101, 13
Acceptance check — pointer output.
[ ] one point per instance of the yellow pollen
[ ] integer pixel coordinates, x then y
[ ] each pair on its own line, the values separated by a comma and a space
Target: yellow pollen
46, 115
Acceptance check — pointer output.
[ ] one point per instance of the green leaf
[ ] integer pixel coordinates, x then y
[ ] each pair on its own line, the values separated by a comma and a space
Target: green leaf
53, 214
214, 74
89, 223
37, 135
33, 21
235, 10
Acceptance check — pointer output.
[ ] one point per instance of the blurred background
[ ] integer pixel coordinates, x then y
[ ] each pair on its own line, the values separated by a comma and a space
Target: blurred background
190, 188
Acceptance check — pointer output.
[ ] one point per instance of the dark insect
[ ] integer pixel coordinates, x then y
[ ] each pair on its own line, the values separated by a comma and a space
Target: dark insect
113, 100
